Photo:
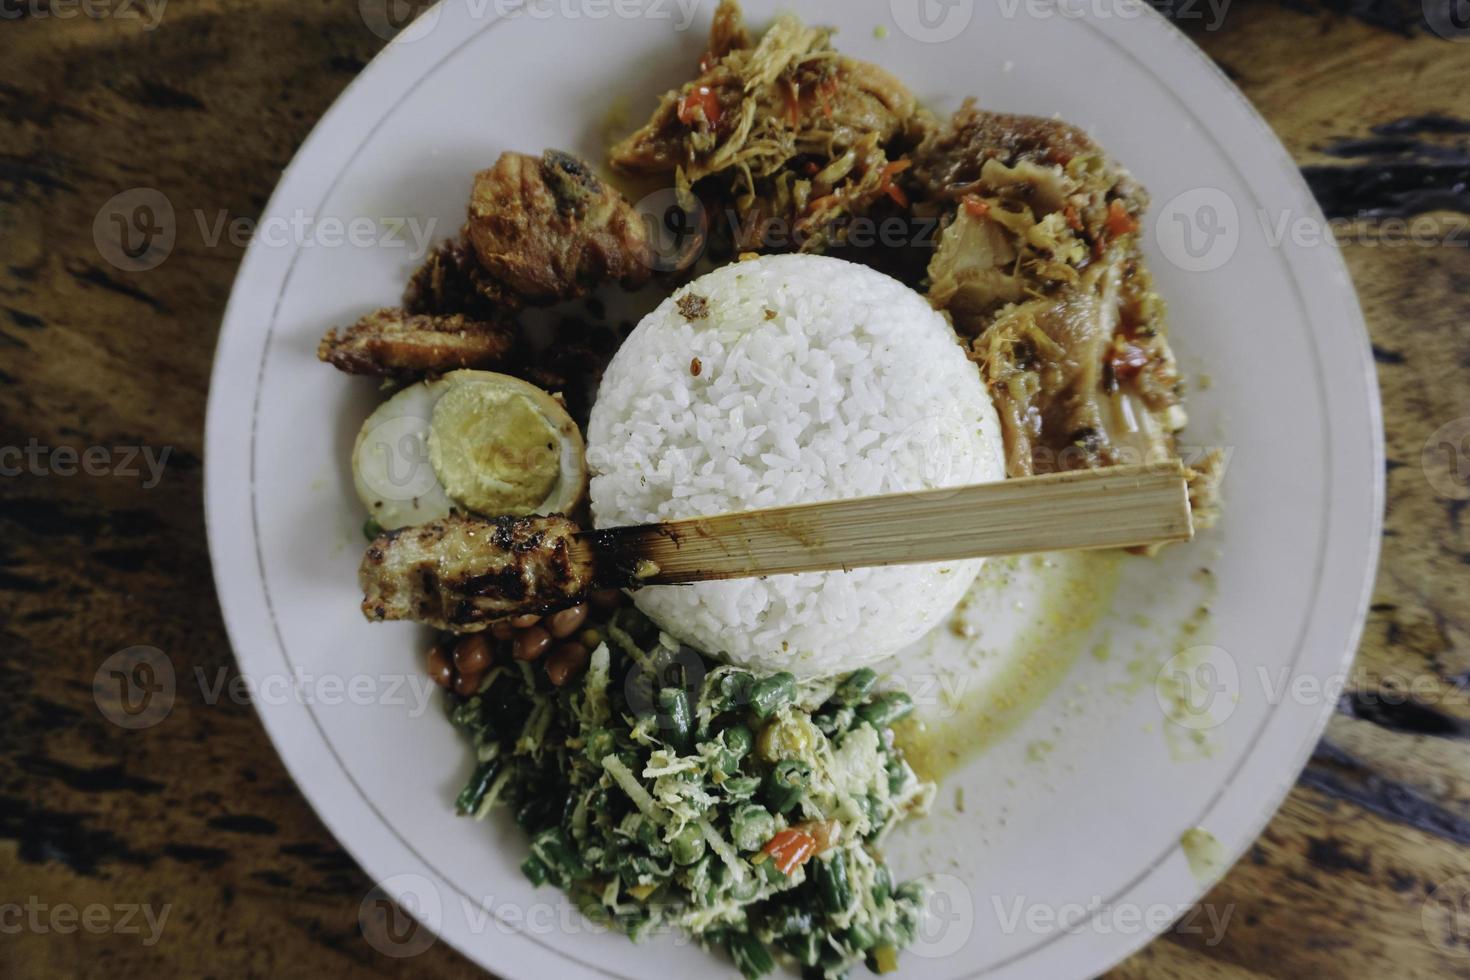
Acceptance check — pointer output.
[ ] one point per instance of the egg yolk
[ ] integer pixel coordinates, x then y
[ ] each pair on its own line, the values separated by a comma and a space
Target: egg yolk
493, 449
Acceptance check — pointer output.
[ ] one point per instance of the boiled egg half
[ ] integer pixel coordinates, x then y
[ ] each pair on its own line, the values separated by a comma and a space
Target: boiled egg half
472, 441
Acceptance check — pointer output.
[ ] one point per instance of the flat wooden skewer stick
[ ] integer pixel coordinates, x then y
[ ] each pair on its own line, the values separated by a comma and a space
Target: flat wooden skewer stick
1115, 507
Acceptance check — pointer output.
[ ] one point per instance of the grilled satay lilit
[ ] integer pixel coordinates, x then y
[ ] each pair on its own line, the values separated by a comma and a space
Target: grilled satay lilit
461, 573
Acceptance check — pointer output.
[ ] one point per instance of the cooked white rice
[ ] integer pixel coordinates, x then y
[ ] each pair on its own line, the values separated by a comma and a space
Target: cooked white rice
818, 379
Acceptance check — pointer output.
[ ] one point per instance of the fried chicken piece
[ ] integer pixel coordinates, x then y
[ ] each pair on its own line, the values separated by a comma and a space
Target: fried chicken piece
548, 229
451, 281
461, 573
394, 343
539, 231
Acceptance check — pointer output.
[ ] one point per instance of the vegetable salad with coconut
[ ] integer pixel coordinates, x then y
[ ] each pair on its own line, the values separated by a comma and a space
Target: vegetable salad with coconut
665, 791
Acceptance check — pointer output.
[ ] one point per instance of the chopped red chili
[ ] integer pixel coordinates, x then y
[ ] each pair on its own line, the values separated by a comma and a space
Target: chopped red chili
825, 91
1120, 222
790, 849
977, 207
822, 202
887, 186
702, 99
792, 91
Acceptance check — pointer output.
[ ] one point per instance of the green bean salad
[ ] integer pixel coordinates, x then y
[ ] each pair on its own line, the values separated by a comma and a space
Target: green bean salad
662, 790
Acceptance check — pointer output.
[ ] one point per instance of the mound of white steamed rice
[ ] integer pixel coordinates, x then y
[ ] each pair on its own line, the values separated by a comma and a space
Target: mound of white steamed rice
782, 380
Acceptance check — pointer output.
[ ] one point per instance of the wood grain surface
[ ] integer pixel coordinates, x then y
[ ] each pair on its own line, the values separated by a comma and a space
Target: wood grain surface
196, 819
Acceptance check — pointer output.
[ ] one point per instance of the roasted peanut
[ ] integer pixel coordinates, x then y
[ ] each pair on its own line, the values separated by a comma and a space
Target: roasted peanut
565, 662
438, 666
564, 623
472, 654
531, 643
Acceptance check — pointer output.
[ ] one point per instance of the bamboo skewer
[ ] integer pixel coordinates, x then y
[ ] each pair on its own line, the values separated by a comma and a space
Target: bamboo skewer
1115, 507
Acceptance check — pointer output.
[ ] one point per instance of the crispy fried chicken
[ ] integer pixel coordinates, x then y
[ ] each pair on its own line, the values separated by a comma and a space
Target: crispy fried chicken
452, 281
399, 344
540, 230
550, 230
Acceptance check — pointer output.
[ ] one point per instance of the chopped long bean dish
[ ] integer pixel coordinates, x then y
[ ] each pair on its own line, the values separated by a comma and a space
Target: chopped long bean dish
663, 789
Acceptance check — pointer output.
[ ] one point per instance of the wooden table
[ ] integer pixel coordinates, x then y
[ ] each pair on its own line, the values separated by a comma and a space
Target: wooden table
198, 814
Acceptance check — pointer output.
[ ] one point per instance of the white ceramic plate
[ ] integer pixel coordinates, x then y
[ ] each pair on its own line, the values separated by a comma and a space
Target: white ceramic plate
1066, 856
